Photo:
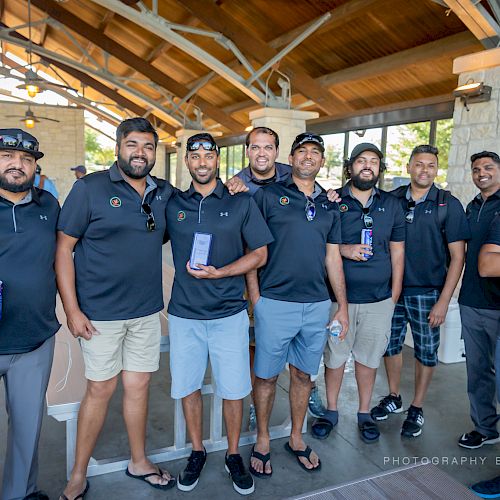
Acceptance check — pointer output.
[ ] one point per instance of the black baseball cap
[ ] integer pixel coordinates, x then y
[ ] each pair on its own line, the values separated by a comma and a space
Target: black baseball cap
306, 137
16, 139
365, 146
202, 140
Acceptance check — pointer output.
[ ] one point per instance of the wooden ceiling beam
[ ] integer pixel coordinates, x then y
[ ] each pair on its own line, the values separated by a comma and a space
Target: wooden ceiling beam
248, 42
118, 51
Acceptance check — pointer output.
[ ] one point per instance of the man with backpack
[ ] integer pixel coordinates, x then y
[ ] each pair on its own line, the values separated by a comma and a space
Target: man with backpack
436, 230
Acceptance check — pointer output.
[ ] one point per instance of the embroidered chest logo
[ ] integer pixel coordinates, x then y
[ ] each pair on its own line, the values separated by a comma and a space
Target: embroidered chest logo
115, 202
343, 207
428, 212
158, 197
223, 214
284, 200
381, 209
43, 217
181, 215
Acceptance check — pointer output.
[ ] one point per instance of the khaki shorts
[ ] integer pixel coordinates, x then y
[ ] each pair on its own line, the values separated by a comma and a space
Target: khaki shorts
368, 335
131, 344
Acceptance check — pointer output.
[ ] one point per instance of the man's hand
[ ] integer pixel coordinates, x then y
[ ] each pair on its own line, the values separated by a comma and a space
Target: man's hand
332, 196
80, 326
438, 314
342, 316
356, 252
236, 185
254, 298
205, 272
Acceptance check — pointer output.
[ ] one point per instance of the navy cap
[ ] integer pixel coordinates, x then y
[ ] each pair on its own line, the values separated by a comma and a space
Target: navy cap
16, 139
365, 146
80, 168
306, 137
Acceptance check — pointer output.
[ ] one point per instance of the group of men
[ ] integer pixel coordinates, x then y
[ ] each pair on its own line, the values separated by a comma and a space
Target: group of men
295, 248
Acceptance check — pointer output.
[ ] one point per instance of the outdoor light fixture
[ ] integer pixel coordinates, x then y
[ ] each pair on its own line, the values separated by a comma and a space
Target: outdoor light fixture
31, 88
473, 92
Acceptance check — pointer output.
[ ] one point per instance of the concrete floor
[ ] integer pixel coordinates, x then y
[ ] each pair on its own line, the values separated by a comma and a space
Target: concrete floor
344, 456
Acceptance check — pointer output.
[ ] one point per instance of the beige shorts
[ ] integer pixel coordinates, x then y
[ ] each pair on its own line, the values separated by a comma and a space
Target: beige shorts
131, 344
368, 335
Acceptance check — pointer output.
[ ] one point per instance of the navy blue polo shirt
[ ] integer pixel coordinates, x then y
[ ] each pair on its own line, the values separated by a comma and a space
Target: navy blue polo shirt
27, 252
426, 249
283, 172
118, 262
370, 281
491, 286
480, 214
295, 269
235, 223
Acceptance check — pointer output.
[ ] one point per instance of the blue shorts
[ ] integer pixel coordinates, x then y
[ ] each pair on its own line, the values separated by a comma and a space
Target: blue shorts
415, 309
289, 332
224, 340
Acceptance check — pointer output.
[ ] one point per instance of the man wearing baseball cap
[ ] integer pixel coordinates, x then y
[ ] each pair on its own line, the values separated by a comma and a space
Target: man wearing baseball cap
290, 295
28, 218
79, 170
374, 275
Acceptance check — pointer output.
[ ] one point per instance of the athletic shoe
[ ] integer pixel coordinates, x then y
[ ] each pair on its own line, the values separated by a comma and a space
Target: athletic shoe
388, 404
252, 419
242, 479
316, 407
474, 439
487, 489
412, 426
189, 477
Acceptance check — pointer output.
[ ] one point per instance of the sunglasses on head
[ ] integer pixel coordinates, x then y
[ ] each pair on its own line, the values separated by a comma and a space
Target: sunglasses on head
367, 218
310, 209
150, 222
9, 141
206, 145
410, 211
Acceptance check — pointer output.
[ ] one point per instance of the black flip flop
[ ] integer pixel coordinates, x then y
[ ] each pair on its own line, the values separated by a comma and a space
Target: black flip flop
80, 496
303, 453
264, 459
369, 432
321, 428
144, 477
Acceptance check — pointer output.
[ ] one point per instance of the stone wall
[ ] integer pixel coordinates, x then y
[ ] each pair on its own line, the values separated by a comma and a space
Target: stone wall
473, 131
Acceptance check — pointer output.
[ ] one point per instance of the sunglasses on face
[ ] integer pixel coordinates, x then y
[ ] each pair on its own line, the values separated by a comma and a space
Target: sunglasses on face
10, 141
410, 212
207, 146
367, 218
310, 209
150, 221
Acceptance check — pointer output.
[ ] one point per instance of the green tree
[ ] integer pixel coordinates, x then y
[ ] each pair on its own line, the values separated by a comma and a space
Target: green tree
333, 161
95, 153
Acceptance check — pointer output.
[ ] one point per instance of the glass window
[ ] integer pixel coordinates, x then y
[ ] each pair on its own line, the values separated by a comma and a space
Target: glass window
443, 140
330, 176
172, 168
223, 164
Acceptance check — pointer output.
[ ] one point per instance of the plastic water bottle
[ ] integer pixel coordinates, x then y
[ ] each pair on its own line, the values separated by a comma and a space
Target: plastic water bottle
335, 330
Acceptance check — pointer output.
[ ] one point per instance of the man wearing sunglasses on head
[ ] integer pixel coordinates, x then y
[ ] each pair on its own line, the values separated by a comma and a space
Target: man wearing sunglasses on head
290, 295
436, 230
28, 323
373, 234
210, 230
114, 222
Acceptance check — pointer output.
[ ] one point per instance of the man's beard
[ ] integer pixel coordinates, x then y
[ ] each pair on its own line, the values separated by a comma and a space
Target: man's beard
134, 172
363, 185
16, 187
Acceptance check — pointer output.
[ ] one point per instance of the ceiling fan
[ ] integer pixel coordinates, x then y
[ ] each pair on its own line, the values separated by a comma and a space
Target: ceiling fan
30, 119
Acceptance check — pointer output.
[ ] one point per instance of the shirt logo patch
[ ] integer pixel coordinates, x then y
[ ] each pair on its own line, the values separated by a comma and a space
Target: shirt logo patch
381, 209
223, 214
43, 217
343, 207
181, 215
428, 211
115, 202
284, 200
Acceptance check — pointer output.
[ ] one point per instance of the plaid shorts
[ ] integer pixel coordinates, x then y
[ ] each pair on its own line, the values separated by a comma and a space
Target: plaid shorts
415, 309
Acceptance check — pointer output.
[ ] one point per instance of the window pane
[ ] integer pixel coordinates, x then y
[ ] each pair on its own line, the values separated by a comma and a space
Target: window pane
330, 176
223, 164
443, 139
172, 162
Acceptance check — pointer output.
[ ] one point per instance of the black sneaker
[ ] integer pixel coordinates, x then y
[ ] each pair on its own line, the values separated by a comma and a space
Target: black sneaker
242, 480
389, 404
412, 426
487, 489
474, 439
189, 477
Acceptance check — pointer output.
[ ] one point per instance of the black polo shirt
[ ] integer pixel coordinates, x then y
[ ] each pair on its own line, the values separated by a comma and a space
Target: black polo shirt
295, 269
491, 286
426, 249
118, 262
234, 223
480, 214
283, 172
370, 281
27, 251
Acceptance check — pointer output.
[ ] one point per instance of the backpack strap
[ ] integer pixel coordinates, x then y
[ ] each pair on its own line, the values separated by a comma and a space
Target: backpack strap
42, 181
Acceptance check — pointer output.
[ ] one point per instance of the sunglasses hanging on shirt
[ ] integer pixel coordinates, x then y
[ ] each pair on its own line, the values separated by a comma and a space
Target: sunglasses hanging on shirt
410, 211
310, 209
367, 218
150, 221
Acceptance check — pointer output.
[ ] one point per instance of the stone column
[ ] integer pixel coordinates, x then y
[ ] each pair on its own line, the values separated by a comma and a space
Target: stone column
182, 177
287, 123
477, 129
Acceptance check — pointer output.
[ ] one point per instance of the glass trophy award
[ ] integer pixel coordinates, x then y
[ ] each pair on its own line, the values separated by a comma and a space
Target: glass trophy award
200, 250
